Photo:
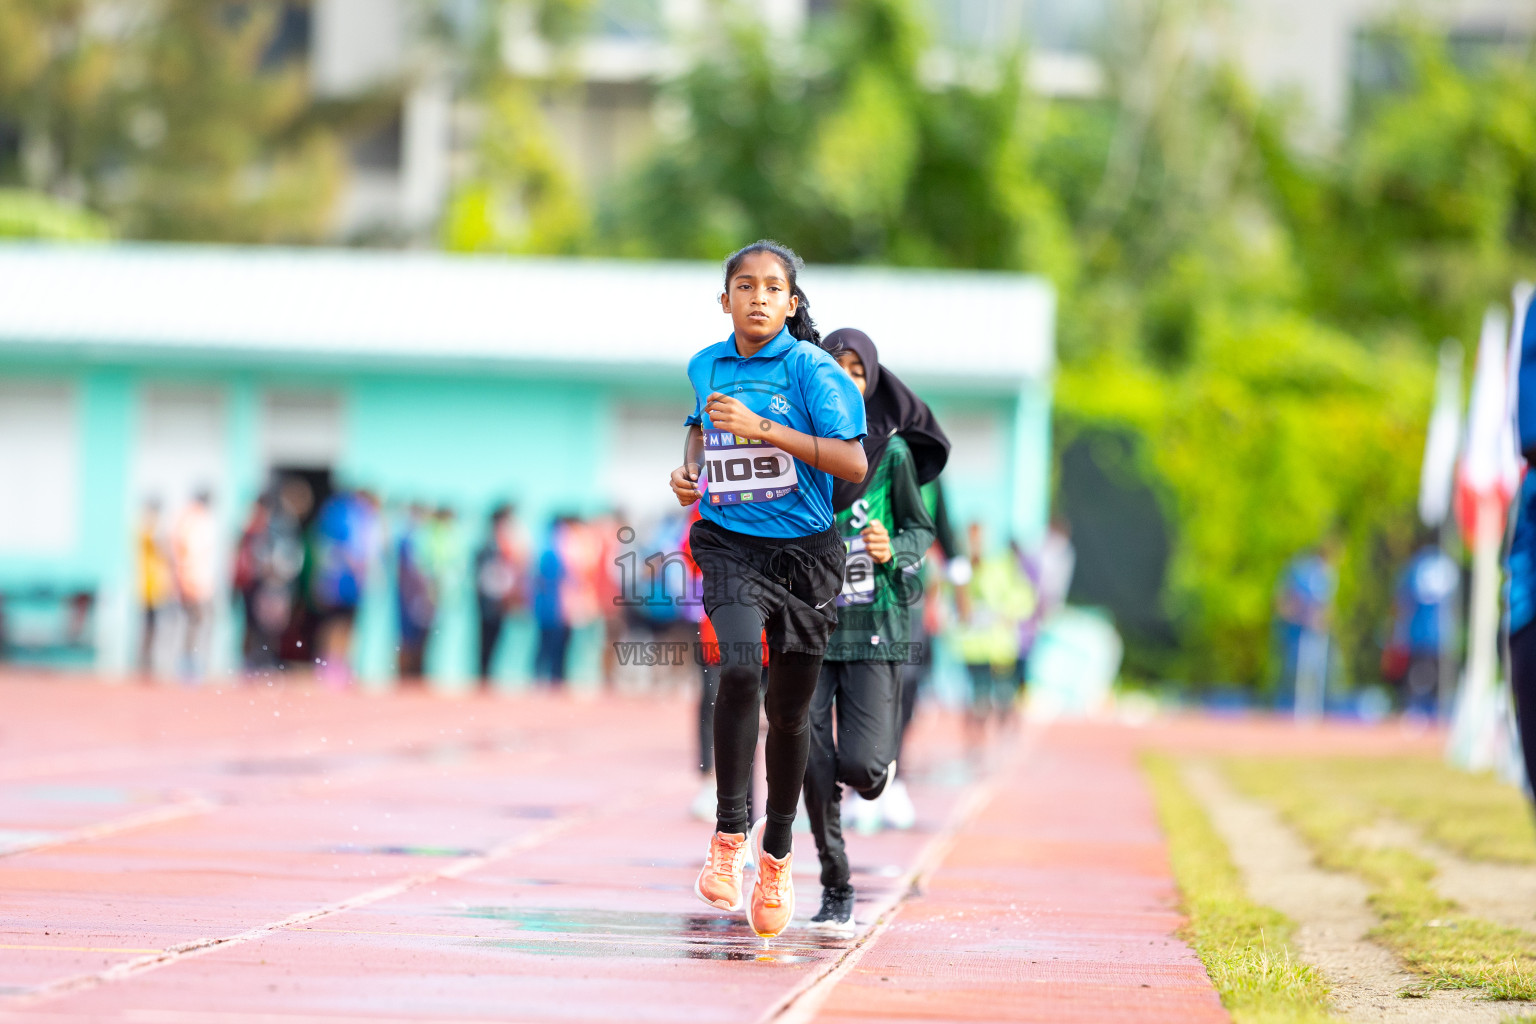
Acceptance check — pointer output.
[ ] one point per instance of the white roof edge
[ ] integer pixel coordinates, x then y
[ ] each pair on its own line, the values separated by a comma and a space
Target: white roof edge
361, 304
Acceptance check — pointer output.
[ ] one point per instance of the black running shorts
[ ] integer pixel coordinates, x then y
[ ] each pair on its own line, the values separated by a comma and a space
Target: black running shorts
792, 582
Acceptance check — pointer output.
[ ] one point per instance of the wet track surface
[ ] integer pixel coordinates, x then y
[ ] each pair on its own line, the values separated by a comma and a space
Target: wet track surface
265, 856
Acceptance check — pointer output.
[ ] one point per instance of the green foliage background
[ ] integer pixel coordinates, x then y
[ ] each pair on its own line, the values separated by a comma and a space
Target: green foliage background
1258, 307
1262, 314
171, 120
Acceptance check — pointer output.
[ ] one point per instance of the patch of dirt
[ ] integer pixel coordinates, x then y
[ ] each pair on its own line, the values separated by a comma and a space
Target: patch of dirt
1502, 893
1331, 914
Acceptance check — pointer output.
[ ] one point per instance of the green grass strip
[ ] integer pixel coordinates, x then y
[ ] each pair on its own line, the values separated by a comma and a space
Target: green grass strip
1429, 933
1476, 815
1244, 946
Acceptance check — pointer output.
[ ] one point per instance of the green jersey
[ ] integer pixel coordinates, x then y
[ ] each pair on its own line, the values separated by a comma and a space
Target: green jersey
873, 610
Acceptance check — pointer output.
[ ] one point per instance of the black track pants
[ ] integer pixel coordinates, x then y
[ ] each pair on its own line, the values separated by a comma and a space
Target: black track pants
867, 699
1522, 671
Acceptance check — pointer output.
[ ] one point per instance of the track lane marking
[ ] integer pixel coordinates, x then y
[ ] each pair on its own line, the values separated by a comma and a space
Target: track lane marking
801, 1003
76, 949
394, 767
198, 947
188, 808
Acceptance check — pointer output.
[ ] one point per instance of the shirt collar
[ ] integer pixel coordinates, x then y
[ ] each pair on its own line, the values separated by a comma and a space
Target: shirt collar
780, 344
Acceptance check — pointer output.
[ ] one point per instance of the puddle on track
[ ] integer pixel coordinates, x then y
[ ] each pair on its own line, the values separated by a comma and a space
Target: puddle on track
406, 851
278, 766
533, 812
664, 936
14, 841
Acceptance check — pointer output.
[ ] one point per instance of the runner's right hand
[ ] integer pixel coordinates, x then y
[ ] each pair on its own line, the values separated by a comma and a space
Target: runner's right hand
685, 485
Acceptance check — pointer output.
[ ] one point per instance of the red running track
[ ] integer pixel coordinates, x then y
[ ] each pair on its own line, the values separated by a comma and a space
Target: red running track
271, 856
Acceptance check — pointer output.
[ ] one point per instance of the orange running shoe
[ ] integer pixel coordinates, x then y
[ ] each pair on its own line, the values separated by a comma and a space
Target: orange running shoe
720, 882
773, 897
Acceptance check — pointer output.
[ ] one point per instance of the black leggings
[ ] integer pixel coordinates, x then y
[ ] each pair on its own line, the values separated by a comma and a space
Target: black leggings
791, 683
709, 690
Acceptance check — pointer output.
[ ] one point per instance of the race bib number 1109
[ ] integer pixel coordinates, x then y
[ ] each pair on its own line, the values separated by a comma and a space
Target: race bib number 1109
741, 470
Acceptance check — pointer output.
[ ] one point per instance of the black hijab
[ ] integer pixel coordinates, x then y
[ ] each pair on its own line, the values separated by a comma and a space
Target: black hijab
890, 408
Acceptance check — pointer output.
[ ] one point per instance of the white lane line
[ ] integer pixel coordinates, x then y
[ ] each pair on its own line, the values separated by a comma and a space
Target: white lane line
801, 1003
188, 808
197, 947
295, 1017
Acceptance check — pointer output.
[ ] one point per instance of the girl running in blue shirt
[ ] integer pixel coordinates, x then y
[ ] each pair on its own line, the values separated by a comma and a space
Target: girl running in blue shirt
775, 419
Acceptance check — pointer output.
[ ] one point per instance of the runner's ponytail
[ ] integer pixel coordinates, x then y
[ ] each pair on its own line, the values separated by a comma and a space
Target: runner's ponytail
801, 325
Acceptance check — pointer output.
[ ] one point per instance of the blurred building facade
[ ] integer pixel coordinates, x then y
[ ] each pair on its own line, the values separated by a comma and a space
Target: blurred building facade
138, 373
1328, 52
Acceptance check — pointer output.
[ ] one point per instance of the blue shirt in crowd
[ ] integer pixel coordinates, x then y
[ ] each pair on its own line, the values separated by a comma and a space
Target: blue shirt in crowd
1423, 595
791, 382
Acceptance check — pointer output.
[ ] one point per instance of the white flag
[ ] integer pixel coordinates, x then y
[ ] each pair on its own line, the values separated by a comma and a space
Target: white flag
1437, 479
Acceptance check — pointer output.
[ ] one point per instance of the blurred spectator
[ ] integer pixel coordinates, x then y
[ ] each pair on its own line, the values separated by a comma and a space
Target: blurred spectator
1056, 562
577, 575
929, 614
992, 606
1303, 617
1421, 628
345, 538
501, 582
415, 591
193, 543
447, 563
1029, 626
267, 566
605, 534
549, 607
586, 577
155, 580
676, 535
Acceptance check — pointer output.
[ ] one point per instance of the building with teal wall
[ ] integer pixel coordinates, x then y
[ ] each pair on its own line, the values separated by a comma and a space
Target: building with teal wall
131, 372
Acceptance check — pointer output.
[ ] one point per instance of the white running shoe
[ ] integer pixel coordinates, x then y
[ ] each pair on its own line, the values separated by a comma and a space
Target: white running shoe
866, 815
703, 806
896, 806
836, 914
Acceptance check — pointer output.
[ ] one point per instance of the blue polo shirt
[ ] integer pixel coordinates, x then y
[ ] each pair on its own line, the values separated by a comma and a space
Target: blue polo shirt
791, 382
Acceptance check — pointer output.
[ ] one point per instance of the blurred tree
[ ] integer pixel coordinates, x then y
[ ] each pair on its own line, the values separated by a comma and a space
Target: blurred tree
843, 146
61, 93
33, 215
1209, 234
520, 194
1275, 432
1428, 210
1204, 279
178, 120
227, 145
